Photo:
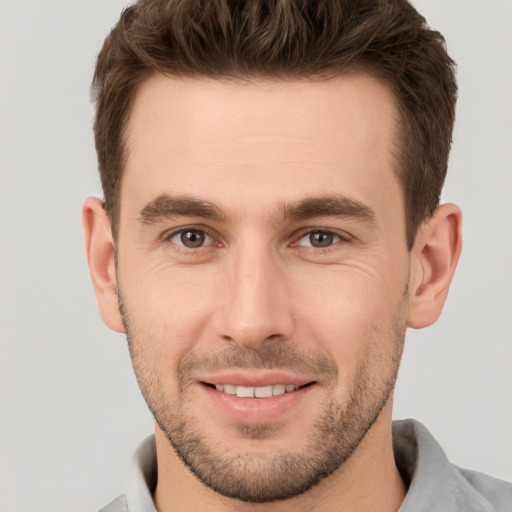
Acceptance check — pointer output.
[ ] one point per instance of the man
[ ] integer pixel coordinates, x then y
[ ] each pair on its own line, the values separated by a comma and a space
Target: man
271, 226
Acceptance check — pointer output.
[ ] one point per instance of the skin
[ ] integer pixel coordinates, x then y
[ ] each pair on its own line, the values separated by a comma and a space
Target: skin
257, 290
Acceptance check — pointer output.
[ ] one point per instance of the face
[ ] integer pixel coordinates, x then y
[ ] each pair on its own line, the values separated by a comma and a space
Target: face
262, 273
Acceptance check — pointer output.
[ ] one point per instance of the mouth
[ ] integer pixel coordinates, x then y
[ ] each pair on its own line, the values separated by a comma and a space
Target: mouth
257, 391
246, 396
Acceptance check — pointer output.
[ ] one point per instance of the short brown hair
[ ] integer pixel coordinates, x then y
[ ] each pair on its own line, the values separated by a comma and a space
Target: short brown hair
285, 39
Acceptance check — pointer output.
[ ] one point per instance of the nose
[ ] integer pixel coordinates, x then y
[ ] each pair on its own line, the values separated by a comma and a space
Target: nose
256, 306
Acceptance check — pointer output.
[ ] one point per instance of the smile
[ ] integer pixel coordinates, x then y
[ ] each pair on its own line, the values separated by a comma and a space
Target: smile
257, 401
256, 391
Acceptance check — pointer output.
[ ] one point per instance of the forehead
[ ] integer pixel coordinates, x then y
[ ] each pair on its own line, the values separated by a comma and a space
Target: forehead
266, 140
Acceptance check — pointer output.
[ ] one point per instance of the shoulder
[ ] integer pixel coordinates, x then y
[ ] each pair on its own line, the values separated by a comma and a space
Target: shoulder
497, 492
437, 484
118, 505
139, 481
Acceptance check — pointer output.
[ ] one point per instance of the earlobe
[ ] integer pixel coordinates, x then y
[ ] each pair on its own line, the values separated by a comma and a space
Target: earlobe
434, 258
99, 246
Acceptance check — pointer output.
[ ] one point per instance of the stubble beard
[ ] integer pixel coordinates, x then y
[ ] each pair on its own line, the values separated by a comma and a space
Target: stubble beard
258, 476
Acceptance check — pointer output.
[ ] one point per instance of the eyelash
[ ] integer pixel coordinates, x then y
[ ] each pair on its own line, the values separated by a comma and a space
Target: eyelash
167, 237
341, 237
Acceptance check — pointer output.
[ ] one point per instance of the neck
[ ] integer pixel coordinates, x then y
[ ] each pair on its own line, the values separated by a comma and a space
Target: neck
367, 481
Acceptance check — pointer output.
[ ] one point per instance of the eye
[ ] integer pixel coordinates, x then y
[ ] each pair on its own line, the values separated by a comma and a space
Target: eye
319, 239
191, 238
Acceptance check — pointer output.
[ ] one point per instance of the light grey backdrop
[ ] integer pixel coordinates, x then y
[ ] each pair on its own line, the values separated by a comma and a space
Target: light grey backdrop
71, 412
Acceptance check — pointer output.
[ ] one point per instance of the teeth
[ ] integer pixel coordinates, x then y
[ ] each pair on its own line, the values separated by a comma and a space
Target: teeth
280, 389
229, 389
256, 392
243, 392
263, 392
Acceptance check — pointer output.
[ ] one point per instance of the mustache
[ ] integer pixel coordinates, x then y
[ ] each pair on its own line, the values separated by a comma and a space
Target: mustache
267, 357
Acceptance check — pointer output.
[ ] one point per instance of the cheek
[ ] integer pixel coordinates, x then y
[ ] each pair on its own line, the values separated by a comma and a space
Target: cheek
352, 314
167, 313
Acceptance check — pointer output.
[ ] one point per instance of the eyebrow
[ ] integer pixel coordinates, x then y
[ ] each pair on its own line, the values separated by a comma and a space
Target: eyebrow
328, 206
166, 206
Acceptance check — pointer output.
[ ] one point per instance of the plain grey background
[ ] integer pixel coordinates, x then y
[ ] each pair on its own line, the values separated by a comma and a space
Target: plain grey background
71, 412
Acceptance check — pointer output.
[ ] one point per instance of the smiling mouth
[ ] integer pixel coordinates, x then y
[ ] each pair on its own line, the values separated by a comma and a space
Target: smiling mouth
256, 392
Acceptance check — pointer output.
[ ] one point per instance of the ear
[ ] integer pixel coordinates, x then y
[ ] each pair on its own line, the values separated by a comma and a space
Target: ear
435, 255
99, 247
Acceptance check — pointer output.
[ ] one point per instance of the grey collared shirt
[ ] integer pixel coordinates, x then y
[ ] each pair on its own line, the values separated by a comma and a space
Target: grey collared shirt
435, 485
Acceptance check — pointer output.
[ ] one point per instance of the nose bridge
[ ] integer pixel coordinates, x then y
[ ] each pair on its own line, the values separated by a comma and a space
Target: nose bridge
256, 308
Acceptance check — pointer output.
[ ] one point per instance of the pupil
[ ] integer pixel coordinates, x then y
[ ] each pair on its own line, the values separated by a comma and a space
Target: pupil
320, 239
192, 238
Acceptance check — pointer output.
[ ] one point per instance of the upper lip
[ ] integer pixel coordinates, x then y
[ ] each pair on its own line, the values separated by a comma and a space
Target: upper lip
253, 378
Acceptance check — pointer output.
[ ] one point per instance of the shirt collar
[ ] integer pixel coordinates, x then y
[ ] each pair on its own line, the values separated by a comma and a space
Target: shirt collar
434, 483
140, 477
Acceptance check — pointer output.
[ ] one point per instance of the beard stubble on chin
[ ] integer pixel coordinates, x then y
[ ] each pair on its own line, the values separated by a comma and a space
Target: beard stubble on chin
257, 476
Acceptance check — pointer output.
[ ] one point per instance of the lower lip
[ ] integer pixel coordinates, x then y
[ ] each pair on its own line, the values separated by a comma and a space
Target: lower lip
256, 410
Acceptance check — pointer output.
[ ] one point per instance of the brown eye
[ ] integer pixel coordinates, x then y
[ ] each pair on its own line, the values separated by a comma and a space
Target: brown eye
191, 238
